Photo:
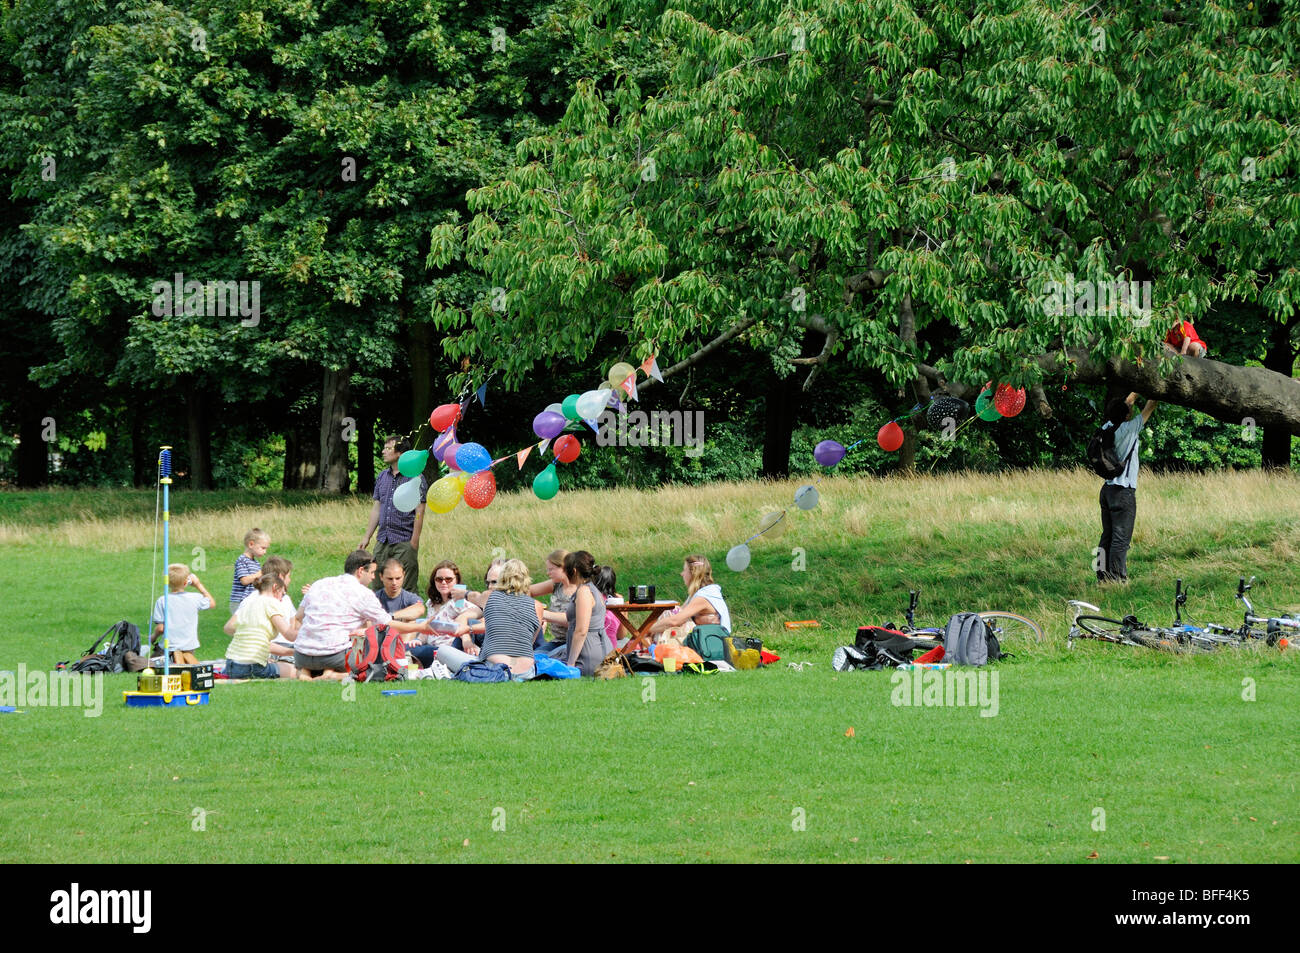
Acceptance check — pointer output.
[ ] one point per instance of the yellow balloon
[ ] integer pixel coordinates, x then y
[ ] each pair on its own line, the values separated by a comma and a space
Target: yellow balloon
772, 523
445, 494
619, 373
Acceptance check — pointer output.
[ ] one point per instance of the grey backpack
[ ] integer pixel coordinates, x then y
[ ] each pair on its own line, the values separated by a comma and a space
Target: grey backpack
968, 640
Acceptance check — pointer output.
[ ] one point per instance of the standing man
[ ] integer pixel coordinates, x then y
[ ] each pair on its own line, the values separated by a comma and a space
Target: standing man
398, 533
1119, 495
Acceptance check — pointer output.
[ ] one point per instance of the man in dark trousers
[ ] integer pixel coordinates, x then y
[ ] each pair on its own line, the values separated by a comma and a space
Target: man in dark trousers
397, 534
1119, 495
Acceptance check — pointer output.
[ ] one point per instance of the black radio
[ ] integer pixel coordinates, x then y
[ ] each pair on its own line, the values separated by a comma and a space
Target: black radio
641, 595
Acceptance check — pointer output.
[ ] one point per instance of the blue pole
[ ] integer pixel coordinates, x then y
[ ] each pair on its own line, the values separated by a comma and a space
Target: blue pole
165, 478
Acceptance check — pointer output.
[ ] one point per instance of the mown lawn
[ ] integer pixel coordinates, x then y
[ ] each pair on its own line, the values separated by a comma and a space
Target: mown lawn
1123, 753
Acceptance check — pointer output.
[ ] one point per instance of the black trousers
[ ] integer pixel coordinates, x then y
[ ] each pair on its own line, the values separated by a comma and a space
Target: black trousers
1118, 513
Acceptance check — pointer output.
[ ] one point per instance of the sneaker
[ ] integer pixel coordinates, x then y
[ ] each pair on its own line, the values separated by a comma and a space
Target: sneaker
847, 658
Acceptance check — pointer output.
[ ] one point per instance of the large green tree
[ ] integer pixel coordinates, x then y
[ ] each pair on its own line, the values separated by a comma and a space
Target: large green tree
303, 152
907, 182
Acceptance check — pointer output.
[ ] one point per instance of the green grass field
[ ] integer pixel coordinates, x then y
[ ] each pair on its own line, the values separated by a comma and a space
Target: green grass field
1121, 753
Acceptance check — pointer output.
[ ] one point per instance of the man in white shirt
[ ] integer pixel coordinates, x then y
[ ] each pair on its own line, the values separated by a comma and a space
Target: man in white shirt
1119, 495
332, 610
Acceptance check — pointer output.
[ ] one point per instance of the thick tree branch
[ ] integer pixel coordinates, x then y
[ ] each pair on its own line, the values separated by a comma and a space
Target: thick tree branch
703, 352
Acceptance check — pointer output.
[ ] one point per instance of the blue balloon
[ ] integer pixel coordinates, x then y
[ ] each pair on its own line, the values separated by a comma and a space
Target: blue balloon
473, 457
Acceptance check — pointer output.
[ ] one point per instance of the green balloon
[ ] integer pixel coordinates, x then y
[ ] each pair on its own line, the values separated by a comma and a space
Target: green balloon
984, 408
546, 484
412, 463
570, 407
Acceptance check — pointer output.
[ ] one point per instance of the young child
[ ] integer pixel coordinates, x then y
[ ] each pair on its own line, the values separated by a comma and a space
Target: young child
605, 580
1183, 339
182, 613
281, 647
255, 622
247, 568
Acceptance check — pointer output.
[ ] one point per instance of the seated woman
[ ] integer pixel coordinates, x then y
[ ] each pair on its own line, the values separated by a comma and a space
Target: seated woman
586, 646
511, 619
704, 603
446, 603
561, 591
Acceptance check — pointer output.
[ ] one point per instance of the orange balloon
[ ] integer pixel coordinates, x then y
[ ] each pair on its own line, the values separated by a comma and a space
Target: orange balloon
480, 490
567, 448
444, 416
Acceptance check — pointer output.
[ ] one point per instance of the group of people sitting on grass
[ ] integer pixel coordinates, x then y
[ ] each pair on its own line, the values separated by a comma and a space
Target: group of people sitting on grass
504, 623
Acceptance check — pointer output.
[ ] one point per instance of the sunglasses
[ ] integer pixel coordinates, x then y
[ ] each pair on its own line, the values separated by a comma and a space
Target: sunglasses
444, 578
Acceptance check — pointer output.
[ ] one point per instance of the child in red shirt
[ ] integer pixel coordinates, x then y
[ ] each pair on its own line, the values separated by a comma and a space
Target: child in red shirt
1183, 339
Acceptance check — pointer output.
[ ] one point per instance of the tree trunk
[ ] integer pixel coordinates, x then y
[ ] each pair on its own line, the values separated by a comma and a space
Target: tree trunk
33, 451
365, 453
421, 358
1275, 450
200, 436
142, 474
781, 413
301, 457
335, 394
920, 386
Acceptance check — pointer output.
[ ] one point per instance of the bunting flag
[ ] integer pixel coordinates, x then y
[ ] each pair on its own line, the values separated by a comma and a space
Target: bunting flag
629, 387
522, 455
593, 425
651, 368
481, 394
541, 447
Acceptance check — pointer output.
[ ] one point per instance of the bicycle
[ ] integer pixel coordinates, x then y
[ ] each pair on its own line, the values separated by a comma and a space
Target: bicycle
1273, 625
1180, 637
1005, 625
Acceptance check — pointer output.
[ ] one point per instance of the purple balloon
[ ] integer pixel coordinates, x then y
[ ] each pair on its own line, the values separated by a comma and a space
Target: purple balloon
444, 440
828, 453
449, 454
548, 424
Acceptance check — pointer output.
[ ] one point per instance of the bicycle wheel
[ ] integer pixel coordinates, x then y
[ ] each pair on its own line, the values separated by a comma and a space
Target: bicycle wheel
1012, 628
1100, 627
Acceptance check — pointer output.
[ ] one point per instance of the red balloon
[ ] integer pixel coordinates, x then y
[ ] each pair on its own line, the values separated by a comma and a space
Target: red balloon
890, 437
444, 416
567, 448
1009, 400
481, 489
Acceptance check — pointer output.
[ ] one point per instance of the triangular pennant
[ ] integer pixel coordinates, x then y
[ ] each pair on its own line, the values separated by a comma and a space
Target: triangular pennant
541, 447
481, 394
651, 367
522, 455
592, 424
629, 386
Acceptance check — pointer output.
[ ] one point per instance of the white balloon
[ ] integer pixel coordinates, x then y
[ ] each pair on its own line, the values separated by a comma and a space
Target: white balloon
592, 403
738, 558
805, 497
555, 409
407, 496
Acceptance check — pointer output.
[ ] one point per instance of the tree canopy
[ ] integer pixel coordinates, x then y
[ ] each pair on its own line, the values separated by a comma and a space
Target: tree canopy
916, 183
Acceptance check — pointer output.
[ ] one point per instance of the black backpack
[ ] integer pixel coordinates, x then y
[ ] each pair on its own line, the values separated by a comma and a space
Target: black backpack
969, 640
1101, 453
875, 648
121, 651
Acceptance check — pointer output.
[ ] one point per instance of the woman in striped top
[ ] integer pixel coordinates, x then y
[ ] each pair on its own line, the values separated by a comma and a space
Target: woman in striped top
511, 618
